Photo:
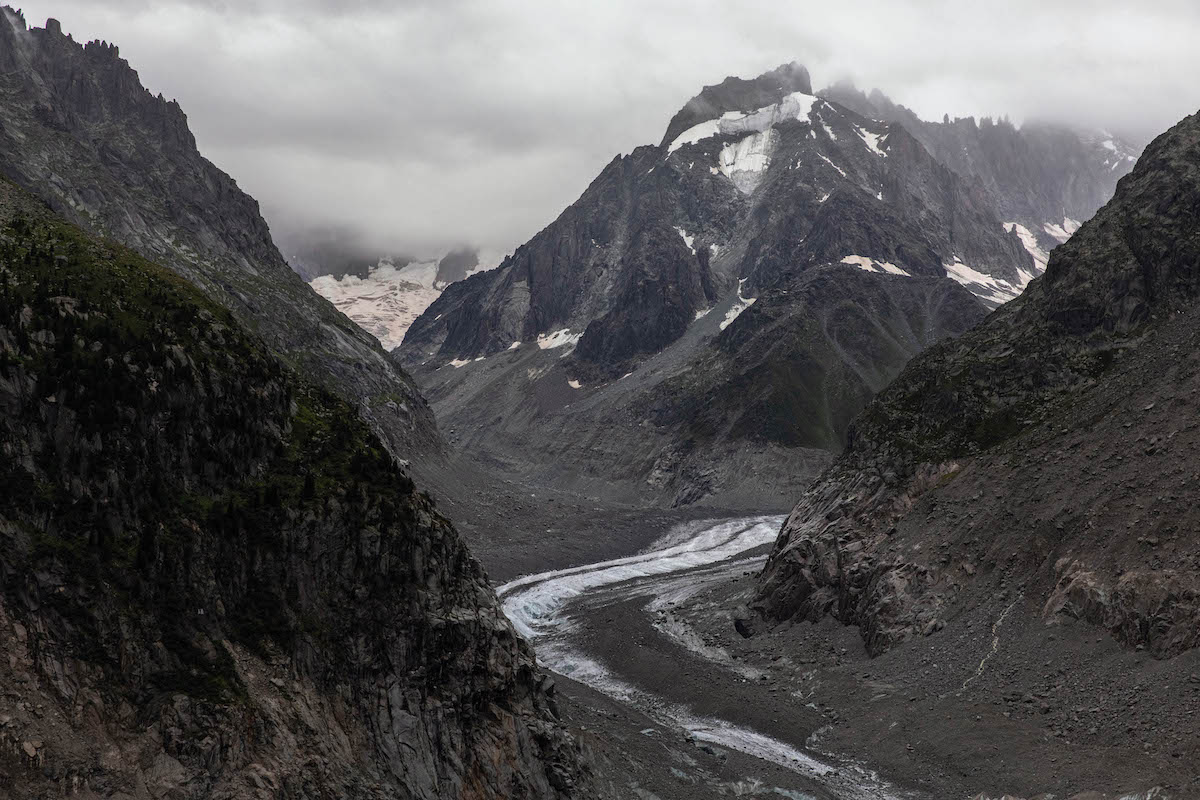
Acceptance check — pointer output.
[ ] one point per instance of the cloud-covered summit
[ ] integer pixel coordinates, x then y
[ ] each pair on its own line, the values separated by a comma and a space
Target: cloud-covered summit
421, 125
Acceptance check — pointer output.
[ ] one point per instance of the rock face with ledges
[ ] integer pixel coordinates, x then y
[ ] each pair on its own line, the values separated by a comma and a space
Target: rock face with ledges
216, 580
1043, 455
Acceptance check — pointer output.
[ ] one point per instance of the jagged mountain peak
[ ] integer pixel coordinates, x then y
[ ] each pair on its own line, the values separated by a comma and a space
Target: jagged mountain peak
82, 132
739, 94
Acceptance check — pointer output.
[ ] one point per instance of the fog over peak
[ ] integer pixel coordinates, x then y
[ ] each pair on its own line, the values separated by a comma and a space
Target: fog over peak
422, 125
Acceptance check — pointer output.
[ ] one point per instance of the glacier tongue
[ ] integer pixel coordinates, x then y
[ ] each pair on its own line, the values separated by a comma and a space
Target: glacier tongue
385, 302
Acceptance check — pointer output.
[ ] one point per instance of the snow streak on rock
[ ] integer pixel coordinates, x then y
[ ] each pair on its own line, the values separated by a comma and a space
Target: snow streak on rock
994, 290
871, 265
741, 305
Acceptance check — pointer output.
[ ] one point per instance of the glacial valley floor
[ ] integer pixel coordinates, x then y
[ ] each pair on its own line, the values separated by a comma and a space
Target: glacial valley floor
990, 705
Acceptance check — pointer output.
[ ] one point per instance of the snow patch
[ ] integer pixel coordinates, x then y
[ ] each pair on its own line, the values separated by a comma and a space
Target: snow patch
981, 285
1029, 241
514, 345
703, 312
871, 265
460, 362
561, 338
871, 140
574, 384
741, 305
841, 171
688, 239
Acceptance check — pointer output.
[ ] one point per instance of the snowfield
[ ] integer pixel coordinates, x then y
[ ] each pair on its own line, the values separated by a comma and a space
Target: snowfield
385, 302
390, 298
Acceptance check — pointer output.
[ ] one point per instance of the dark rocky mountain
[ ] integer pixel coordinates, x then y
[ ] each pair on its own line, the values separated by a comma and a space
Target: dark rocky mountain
1043, 461
216, 580
761, 196
1043, 176
81, 132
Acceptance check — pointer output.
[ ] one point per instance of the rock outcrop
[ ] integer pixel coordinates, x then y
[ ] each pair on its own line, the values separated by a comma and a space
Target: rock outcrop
1043, 456
216, 580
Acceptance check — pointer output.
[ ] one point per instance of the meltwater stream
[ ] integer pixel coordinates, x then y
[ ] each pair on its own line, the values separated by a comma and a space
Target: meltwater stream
536, 605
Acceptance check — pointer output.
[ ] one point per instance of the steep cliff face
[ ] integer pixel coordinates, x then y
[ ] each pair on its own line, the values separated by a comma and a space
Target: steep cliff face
1042, 176
1043, 458
217, 582
81, 132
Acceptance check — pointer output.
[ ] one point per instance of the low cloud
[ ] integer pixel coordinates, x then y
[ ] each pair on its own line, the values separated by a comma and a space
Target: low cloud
423, 125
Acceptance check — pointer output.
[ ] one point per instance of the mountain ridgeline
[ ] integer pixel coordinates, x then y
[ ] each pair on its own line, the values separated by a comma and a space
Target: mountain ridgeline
80, 132
745, 286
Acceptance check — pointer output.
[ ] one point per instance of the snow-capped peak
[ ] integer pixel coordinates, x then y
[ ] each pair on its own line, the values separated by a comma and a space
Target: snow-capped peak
796, 105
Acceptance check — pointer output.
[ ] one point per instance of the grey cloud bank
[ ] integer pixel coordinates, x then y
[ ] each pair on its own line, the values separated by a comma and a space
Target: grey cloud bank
421, 125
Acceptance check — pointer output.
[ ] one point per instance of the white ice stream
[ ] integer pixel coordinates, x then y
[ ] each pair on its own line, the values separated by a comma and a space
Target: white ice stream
672, 568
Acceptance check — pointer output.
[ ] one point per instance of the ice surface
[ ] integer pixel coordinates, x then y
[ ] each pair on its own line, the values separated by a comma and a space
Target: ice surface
387, 301
534, 610
537, 605
745, 160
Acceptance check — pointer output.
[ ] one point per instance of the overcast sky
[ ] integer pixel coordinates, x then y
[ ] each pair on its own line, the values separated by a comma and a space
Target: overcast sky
427, 123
